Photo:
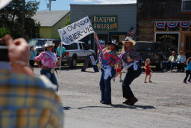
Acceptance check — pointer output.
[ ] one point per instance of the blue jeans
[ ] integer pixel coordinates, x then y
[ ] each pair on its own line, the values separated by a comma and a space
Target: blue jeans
51, 76
105, 88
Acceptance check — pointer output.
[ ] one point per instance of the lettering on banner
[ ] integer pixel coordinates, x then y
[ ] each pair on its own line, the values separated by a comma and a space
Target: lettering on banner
76, 31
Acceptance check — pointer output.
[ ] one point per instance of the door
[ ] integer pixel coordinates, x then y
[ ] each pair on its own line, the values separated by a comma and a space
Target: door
188, 45
168, 41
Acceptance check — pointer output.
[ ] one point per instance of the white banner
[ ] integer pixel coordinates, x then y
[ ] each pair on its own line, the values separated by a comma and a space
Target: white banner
76, 31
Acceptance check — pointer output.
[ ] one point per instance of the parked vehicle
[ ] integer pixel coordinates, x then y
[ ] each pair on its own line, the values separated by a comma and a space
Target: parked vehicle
76, 52
152, 50
39, 43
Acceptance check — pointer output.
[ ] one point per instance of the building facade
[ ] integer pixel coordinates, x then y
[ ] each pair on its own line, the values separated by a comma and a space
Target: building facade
110, 22
50, 22
166, 21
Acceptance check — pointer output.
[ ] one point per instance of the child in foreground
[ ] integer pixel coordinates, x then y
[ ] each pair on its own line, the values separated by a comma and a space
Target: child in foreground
147, 68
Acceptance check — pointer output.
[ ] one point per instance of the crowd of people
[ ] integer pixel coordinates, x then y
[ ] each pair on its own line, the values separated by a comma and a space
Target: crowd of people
175, 62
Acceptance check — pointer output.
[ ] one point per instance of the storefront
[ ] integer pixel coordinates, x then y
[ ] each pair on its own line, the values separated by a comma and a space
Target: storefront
175, 34
110, 22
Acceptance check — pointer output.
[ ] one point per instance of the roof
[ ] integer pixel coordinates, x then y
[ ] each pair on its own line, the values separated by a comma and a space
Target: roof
49, 18
130, 4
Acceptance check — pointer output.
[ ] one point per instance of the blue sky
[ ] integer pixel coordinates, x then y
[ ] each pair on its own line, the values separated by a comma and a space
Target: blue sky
64, 4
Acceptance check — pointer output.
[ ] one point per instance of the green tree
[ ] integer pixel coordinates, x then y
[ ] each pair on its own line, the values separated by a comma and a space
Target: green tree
17, 18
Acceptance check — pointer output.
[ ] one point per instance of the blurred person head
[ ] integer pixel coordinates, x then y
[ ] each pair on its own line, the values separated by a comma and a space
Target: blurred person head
112, 45
23, 83
173, 53
20, 84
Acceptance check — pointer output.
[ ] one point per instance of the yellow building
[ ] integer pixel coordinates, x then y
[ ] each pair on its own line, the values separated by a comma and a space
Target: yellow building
51, 21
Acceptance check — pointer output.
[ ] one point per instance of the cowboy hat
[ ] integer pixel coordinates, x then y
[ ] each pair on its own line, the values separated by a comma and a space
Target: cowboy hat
128, 39
3, 3
49, 44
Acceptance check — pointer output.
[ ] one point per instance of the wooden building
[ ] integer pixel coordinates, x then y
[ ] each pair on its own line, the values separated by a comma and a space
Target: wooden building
166, 21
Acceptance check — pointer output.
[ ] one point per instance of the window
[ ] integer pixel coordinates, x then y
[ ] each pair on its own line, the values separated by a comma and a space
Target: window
186, 5
71, 47
81, 47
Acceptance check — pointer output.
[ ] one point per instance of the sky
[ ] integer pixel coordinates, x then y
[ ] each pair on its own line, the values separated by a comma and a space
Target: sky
65, 4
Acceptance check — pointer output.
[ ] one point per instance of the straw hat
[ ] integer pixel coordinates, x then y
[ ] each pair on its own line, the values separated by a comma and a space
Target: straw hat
128, 39
49, 44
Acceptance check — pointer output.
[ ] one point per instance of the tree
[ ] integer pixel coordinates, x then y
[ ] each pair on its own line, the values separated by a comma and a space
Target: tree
17, 18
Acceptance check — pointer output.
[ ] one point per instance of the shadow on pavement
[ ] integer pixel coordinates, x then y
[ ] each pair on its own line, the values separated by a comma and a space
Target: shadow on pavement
95, 107
121, 106
90, 71
67, 108
133, 106
69, 68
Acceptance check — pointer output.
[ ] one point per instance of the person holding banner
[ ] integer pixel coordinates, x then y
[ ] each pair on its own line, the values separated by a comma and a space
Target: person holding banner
49, 62
131, 60
108, 61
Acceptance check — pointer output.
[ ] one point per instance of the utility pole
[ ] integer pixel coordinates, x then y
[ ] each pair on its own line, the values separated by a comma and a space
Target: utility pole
49, 5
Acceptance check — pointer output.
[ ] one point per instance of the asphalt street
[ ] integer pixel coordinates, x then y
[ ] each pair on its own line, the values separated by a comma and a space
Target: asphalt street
165, 103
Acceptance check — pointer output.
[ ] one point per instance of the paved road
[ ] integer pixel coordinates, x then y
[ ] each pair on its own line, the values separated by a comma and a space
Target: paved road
166, 103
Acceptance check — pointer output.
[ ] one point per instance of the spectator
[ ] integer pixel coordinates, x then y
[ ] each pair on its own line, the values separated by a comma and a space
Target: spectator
32, 56
60, 50
181, 62
188, 70
26, 101
172, 60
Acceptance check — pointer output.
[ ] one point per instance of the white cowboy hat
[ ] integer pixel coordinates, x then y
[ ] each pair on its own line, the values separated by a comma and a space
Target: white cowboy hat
4, 3
49, 44
128, 39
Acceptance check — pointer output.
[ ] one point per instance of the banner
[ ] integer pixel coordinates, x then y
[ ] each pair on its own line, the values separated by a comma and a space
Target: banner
160, 25
76, 31
185, 24
172, 24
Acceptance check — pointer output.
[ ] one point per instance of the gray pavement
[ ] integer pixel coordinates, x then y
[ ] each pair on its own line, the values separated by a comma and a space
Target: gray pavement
165, 103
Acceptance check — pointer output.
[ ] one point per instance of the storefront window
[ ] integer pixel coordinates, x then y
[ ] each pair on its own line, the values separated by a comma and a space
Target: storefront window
186, 5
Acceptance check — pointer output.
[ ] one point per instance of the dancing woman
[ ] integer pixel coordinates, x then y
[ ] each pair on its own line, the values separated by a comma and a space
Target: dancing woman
131, 60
